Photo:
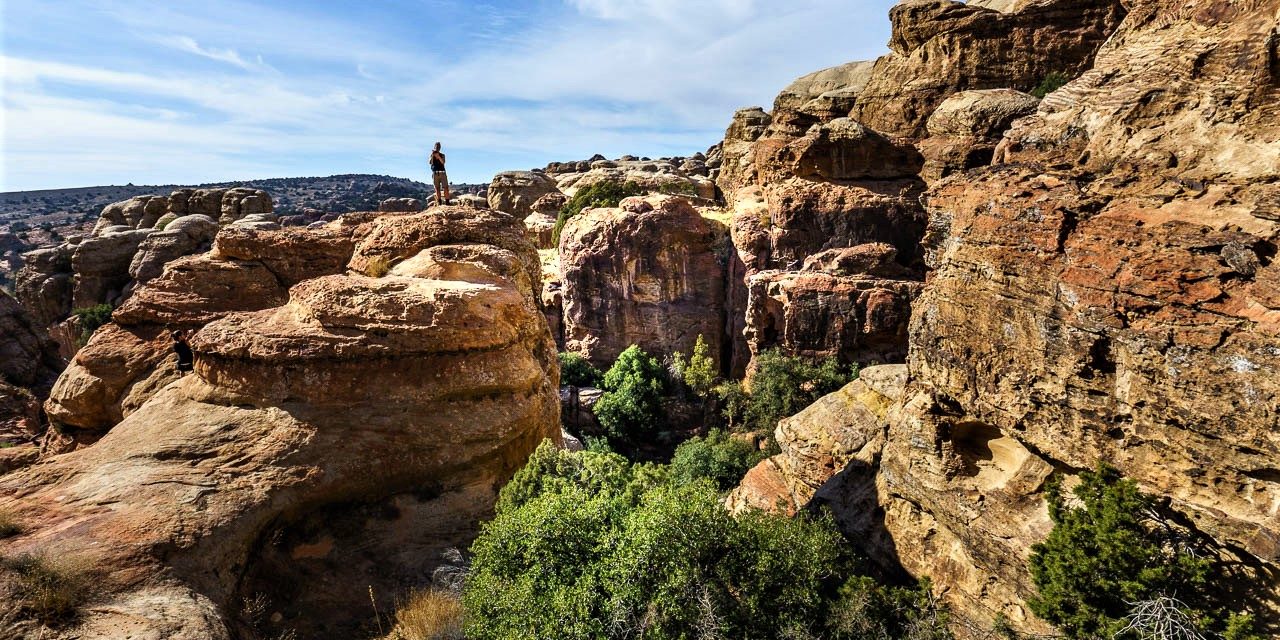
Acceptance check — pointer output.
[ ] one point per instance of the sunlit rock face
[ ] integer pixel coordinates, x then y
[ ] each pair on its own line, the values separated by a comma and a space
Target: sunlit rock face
343, 426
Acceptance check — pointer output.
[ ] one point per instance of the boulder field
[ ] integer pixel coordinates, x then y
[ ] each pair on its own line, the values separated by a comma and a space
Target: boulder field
360, 392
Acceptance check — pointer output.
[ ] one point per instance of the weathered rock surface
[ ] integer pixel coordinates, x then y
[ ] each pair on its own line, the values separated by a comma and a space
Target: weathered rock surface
646, 273
940, 47
130, 245
343, 435
128, 361
515, 192
965, 129
1107, 296
855, 319
29, 364
408, 205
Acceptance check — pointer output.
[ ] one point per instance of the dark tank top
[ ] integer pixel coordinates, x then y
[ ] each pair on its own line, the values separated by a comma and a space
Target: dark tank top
437, 162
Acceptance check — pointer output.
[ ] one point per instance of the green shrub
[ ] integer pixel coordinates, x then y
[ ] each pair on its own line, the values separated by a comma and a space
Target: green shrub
577, 371
866, 609
600, 194
631, 406
699, 372
781, 387
719, 457
1104, 555
1051, 82
90, 319
587, 545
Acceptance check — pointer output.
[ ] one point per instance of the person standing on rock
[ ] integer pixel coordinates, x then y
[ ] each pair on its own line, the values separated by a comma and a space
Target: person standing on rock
183, 348
438, 176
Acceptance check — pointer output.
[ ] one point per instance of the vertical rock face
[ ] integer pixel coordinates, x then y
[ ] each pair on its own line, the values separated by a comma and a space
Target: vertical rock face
333, 441
29, 363
649, 273
1110, 296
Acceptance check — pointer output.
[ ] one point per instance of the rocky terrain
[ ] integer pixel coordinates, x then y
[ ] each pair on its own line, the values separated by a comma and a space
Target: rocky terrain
1028, 286
1104, 293
323, 432
37, 219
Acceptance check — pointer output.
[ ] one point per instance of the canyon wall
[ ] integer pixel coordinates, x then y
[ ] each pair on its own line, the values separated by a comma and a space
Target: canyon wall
1106, 292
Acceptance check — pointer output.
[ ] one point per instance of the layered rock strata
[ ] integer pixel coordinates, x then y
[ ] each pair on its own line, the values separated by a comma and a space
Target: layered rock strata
331, 443
1107, 295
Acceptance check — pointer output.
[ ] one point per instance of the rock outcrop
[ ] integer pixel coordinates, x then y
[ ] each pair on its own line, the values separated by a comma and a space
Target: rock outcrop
966, 128
941, 47
29, 364
130, 244
1107, 295
406, 205
330, 443
649, 273
515, 192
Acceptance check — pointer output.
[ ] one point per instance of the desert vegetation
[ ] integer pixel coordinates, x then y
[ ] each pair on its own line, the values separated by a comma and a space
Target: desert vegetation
601, 194
591, 545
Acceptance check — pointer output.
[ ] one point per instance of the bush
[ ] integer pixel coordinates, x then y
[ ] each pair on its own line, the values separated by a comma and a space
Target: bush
90, 319
600, 194
699, 372
1051, 82
429, 615
51, 592
631, 406
719, 458
781, 387
9, 526
576, 371
378, 266
1106, 554
588, 545
865, 609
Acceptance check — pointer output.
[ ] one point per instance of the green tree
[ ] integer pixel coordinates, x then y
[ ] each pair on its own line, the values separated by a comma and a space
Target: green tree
1052, 81
782, 386
1105, 554
699, 372
600, 194
719, 457
631, 406
90, 319
587, 545
577, 371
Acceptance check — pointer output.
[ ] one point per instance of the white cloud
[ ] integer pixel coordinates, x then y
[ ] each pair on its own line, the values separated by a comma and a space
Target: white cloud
647, 77
229, 56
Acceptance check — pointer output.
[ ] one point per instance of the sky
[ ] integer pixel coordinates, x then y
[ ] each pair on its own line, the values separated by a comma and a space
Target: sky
144, 92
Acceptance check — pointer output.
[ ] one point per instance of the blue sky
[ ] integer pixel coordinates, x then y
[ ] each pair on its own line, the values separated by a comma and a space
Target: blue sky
117, 91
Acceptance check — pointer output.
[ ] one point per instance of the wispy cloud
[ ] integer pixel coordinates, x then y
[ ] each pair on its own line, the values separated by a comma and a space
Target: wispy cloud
229, 56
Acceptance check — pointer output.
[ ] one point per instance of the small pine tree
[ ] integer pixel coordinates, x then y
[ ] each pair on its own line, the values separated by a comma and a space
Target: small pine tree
699, 371
1103, 555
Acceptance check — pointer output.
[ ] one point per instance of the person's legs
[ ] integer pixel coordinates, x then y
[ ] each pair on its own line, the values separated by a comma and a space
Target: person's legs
444, 178
438, 177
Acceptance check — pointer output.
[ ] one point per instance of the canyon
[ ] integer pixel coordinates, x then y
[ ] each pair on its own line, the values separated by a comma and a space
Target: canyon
1030, 280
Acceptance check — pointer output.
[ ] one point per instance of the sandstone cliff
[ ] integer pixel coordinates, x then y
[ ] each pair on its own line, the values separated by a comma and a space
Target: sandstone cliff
1107, 294
360, 392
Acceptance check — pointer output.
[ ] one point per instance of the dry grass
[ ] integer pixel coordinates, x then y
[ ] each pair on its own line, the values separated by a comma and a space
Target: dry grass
429, 615
378, 266
9, 526
50, 591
